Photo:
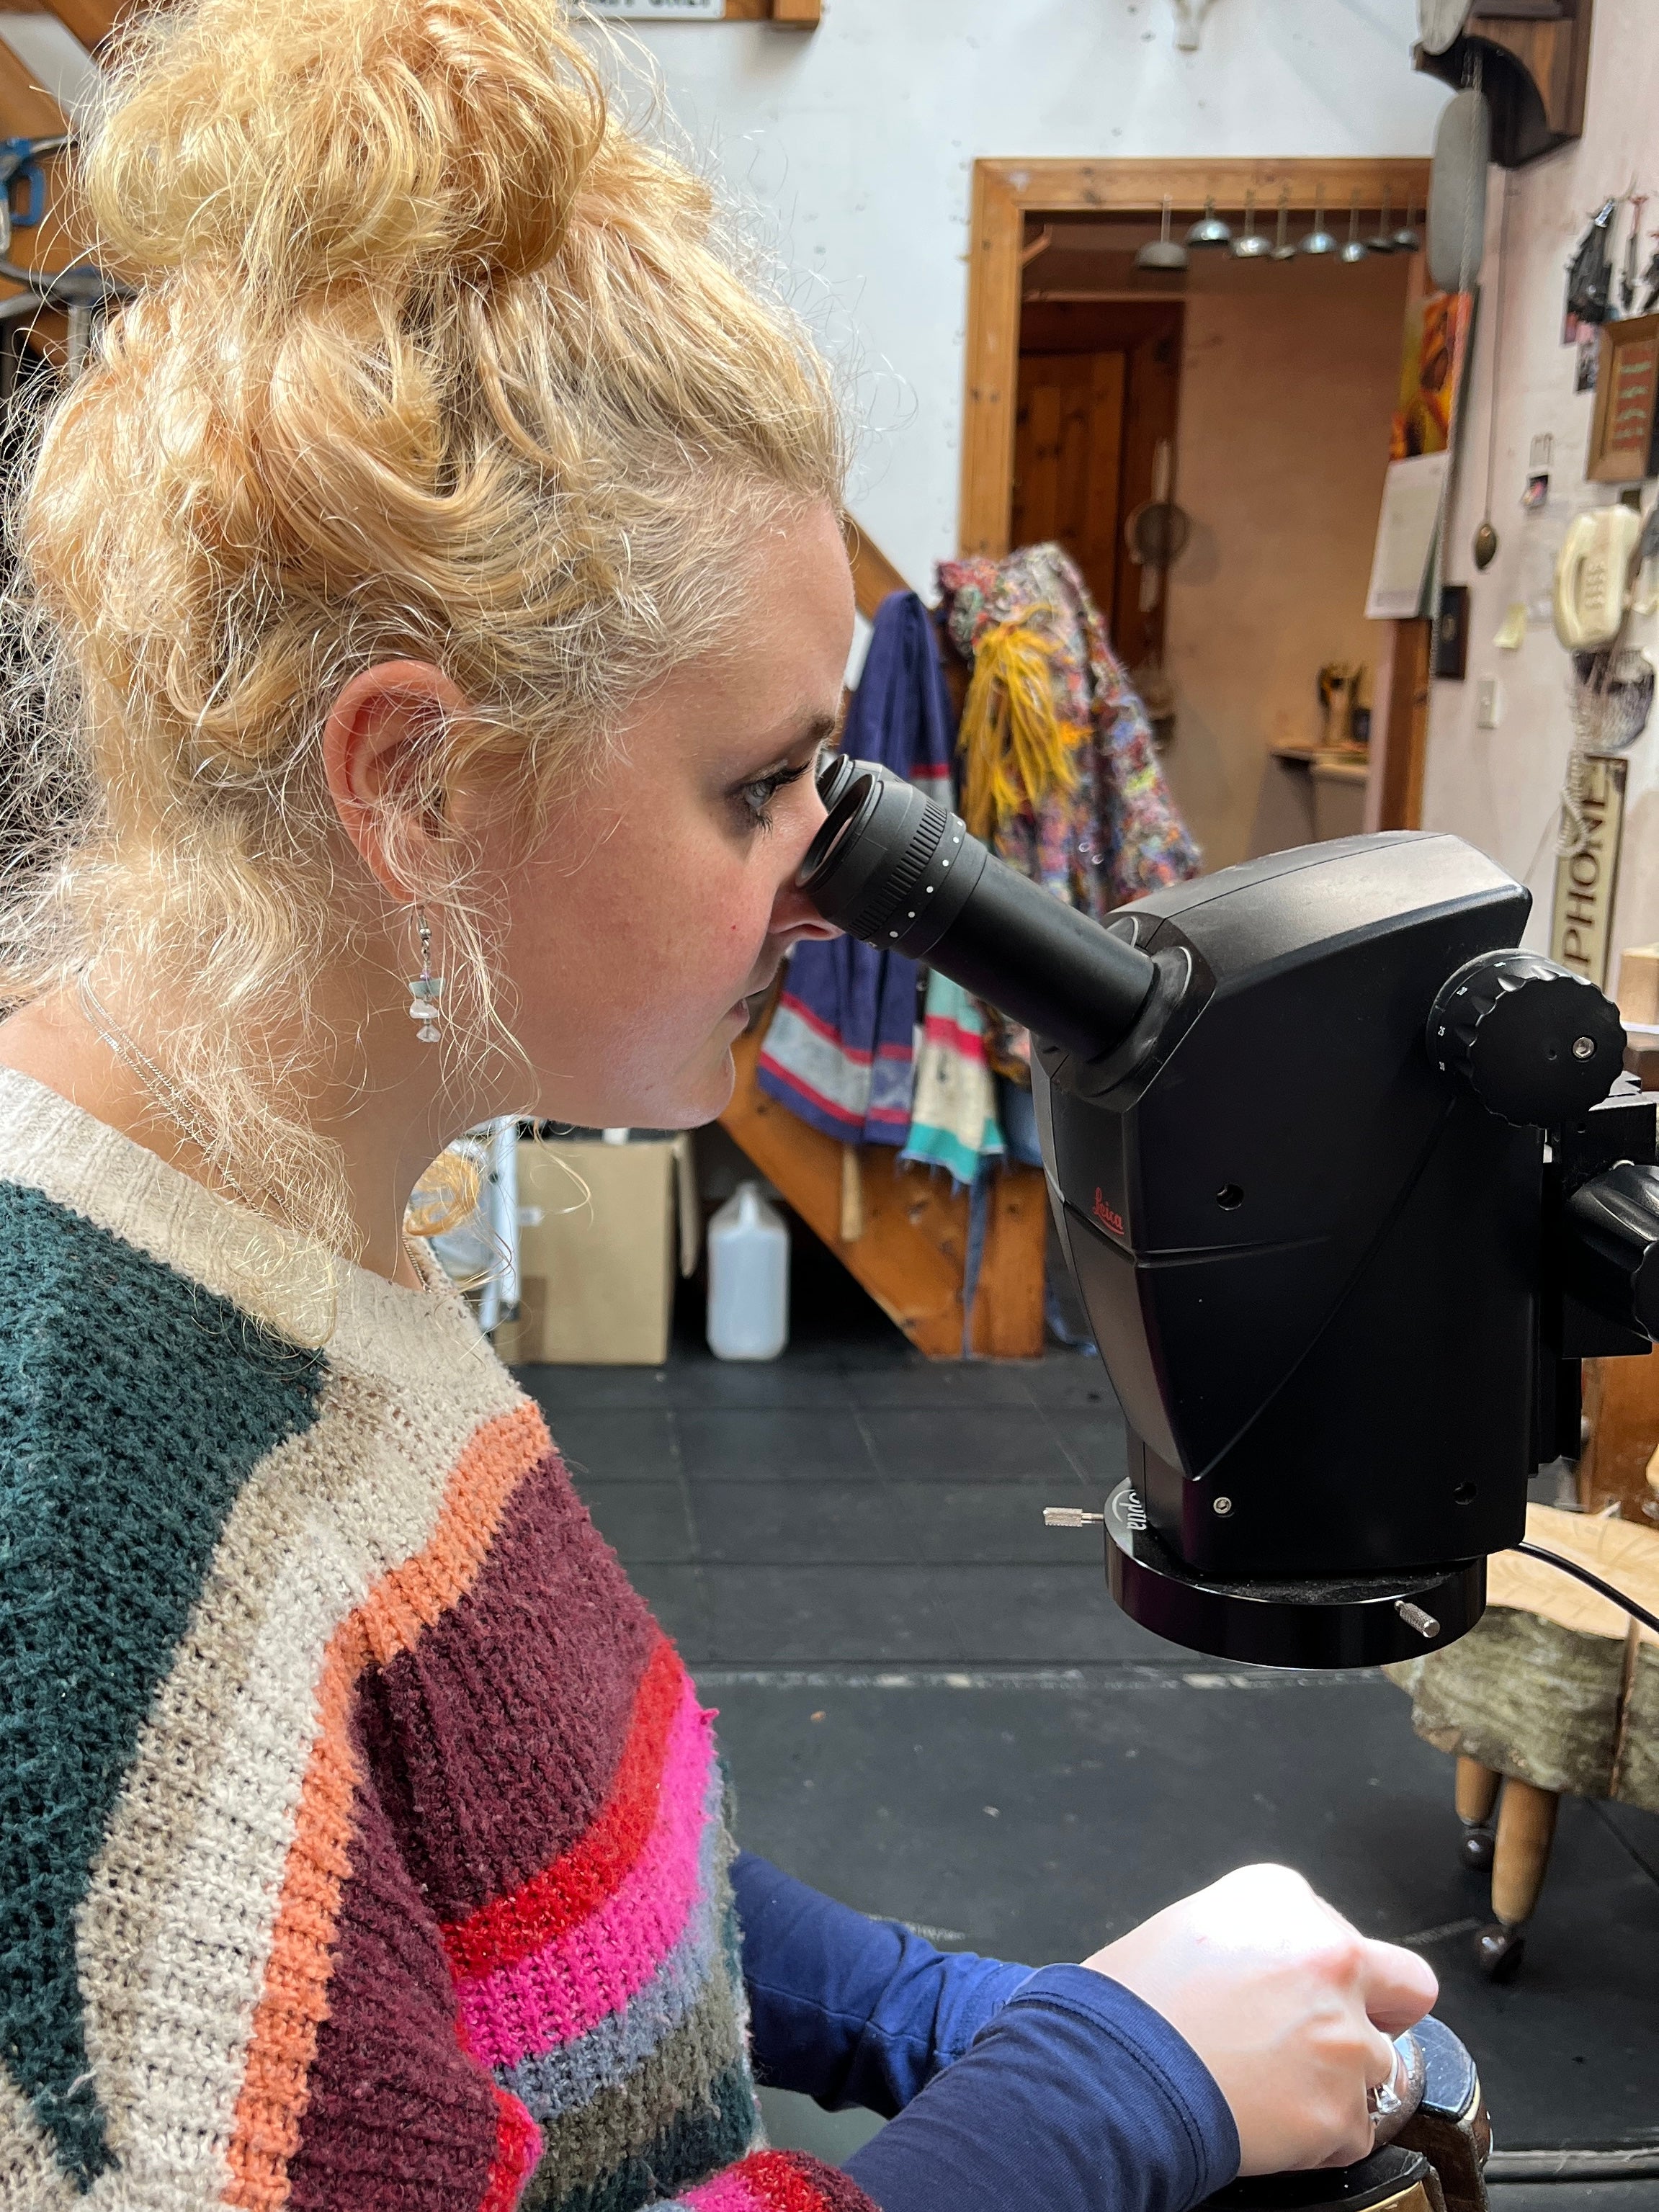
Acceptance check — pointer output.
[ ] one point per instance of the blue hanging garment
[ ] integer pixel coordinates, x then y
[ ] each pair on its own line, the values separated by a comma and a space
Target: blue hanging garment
840, 1049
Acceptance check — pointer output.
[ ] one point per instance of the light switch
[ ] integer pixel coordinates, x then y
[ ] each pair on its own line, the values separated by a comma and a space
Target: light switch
1488, 703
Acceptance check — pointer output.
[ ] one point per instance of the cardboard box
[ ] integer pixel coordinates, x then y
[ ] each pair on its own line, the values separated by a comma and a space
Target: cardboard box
597, 1271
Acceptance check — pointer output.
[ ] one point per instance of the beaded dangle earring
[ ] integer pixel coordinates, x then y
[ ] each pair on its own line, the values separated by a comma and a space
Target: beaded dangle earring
425, 989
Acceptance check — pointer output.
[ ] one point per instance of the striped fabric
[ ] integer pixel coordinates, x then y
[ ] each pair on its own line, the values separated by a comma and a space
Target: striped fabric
361, 1834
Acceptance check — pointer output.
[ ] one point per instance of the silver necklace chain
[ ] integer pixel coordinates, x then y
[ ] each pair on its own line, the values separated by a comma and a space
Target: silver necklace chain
162, 1089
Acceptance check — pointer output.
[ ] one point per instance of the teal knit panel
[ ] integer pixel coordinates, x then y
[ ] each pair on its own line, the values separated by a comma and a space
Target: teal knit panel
134, 1405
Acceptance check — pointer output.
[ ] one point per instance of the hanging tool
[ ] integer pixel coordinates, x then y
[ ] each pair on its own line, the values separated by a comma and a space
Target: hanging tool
1627, 278
1590, 273
1485, 538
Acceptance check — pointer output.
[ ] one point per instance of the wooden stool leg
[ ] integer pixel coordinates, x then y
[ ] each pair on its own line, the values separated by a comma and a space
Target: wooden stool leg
1476, 1794
1526, 1829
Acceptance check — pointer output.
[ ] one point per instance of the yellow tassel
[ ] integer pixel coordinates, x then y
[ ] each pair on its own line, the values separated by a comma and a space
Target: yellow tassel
1015, 748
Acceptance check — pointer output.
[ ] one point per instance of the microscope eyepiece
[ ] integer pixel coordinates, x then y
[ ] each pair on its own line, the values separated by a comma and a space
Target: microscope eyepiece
894, 868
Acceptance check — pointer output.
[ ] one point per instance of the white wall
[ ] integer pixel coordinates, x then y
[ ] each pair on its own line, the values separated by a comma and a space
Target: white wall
1498, 787
1287, 381
857, 142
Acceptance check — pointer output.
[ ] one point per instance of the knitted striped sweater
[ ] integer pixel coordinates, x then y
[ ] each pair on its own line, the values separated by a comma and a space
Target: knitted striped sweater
361, 1834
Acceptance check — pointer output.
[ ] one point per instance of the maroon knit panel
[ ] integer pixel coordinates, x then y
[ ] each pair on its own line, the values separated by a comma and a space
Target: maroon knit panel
397, 2118
493, 1741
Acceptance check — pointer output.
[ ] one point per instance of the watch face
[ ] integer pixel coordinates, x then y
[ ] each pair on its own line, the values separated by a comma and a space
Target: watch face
1439, 22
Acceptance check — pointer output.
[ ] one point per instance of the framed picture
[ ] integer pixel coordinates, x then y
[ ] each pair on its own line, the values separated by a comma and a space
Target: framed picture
1623, 446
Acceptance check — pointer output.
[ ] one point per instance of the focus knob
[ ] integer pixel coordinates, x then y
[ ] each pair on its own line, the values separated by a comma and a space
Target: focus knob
1535, 1043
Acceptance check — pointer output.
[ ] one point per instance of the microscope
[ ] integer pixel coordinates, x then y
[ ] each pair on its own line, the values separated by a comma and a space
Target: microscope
1349, 1192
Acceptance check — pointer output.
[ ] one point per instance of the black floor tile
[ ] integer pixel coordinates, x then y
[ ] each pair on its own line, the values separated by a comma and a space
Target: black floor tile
946, 1383
794, 1443
617, 1443
1095, 1442
886, 1523
1641, 2195
1638, 1831
1070, 1378
648, 1523
1037, 1823
676, 1596
1005, 1444
561, 1390
796, 1616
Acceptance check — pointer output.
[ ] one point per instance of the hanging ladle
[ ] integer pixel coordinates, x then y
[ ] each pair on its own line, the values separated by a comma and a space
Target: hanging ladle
1383, 239
1255, 244
1355, 248
1283, 250
1319, 240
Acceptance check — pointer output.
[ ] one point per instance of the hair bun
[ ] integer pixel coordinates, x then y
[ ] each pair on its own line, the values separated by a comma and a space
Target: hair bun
304, 142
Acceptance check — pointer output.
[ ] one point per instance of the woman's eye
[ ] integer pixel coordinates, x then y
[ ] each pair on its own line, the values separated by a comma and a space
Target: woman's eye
758, 796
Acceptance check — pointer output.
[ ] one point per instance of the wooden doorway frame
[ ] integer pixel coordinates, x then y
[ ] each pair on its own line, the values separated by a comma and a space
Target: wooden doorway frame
1006, 193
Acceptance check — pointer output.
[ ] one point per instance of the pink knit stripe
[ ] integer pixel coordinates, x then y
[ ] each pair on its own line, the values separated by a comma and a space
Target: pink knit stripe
726, 2192
592, 1970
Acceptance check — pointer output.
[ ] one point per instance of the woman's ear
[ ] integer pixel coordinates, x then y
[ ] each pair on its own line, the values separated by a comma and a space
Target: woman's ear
377, 757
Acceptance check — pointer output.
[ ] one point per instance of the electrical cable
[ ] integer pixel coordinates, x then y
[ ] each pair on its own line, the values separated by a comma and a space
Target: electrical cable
1583, 1574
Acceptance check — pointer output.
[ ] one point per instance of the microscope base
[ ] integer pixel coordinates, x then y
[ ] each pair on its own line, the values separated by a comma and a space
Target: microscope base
1360, 1620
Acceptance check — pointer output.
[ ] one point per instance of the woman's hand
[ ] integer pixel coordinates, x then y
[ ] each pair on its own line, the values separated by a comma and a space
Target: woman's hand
1292, 2011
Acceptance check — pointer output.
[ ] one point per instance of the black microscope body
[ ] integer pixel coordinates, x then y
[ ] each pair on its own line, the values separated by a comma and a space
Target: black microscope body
1341, 1180
1337, 1174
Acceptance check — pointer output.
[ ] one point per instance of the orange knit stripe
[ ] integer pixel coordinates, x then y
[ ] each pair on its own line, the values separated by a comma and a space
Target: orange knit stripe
294, 2002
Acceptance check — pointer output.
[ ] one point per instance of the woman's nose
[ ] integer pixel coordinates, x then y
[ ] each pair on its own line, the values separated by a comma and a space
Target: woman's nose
794, 915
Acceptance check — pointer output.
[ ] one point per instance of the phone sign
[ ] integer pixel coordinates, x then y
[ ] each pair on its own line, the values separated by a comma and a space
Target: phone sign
1587, 879
660, 11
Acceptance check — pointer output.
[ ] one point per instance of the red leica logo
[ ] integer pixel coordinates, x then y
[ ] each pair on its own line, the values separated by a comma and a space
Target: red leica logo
1104, 1214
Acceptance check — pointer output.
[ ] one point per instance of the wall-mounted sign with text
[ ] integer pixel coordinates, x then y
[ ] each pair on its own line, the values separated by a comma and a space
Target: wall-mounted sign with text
661, 11
1586, 881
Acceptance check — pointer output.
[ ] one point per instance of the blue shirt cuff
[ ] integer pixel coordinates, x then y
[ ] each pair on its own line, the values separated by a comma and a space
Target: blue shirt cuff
1077, 2096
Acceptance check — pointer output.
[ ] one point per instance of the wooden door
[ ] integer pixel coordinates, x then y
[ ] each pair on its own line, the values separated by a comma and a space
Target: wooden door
1076, 477
1068, 460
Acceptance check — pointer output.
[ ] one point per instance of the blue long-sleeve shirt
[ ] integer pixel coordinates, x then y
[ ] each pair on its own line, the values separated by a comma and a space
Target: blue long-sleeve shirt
1058, 2089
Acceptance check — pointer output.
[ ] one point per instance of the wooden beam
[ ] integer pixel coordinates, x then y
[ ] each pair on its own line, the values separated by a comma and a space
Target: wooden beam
988, 429
912, 1250
874, 576
91, 21
26, 110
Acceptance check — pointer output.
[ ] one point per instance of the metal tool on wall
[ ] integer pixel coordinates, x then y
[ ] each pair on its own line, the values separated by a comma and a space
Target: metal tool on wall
1485, 538
1590, 273
1155, 531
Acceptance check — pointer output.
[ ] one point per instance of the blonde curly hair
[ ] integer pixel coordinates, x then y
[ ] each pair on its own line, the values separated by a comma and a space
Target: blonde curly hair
430, 355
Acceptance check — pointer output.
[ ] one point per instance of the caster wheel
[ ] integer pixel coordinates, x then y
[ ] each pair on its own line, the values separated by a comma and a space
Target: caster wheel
1476, 1850
1499, 1952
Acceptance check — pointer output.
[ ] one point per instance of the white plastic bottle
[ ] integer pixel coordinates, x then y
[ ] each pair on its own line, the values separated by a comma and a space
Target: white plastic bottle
748, 1278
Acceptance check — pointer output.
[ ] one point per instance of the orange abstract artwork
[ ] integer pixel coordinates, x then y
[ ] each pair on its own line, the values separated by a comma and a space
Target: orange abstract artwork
1436, 347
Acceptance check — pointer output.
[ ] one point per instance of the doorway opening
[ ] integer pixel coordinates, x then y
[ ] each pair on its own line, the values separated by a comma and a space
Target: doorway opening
1254, 394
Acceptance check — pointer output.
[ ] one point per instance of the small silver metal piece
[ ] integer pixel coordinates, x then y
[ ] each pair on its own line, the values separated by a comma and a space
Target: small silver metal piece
1414, 1617
1224, 1506
1583, 1048
1070, 1517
